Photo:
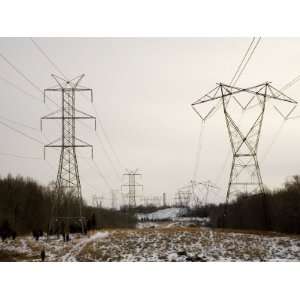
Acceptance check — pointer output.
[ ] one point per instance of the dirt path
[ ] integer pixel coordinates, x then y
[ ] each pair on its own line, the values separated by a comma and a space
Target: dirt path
72, 254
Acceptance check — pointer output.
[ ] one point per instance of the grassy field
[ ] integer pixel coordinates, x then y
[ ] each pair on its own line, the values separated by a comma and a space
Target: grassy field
162, 243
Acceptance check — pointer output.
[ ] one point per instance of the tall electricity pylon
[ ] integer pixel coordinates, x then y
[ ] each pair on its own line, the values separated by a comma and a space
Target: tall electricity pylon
245, 176
68, 180
200, 190
132, 186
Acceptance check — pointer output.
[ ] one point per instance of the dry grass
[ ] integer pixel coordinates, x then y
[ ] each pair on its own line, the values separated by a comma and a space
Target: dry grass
13, 256
152, 244
165, 244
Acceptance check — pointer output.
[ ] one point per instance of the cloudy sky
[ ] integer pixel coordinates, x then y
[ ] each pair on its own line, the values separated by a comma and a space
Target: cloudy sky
143, 89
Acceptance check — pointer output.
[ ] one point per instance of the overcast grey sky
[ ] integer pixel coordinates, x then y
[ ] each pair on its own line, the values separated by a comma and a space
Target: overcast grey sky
143, 88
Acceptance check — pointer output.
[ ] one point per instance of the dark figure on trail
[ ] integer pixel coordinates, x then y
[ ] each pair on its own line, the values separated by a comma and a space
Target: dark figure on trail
43, 254
67, 237
64, 236
3, 236
37, 233
5, 230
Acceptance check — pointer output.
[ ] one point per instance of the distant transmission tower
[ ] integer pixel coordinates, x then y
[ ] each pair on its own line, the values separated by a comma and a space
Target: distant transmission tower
182, 198
200, 188
132, 186
114, 199
97, 201
68, 180
245, 176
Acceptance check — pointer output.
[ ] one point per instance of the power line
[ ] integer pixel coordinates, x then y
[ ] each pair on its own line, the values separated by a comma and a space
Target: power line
107, 138
245, 65
274, 139
20, 73
107, 156
25, 93
105, 180
20, 156
19, 123
107, 141
199, 148
19, 131
243, 59
25, 77
48, 58
22, 133
278, 132
104, 150
19, 88
290, 83
101, 175
238, 73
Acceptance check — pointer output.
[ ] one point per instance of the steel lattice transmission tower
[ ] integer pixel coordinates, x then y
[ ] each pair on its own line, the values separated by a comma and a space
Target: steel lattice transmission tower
132, 185
200, 191
68, 179
245, 176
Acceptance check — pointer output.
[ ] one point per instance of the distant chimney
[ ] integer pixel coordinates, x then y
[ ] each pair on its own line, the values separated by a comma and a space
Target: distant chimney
164, 199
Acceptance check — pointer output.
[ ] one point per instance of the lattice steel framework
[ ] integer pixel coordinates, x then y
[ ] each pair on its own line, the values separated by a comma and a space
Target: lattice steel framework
199, 191
132, 186
183, 197
68, 179
245, 176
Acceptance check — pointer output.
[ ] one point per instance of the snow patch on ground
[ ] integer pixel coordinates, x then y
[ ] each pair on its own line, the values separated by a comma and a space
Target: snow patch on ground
147, 225
163, 214
77, 248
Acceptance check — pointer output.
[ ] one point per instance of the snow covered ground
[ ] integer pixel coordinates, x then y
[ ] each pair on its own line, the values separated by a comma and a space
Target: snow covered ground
163, 214
28, 249
192, 244
174, 214
160, 242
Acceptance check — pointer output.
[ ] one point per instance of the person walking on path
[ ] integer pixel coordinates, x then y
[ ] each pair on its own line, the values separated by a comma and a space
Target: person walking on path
43, 254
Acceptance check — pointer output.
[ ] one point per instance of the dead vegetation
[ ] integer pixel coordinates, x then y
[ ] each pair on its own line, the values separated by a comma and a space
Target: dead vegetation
185, 244
159, 244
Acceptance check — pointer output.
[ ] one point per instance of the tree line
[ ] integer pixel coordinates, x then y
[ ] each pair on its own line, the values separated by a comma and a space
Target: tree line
25, 207
277, 210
